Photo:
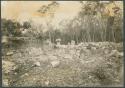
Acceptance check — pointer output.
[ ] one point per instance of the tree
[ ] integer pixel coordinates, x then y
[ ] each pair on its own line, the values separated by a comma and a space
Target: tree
10, 28
94, 21
26, 25
49, 10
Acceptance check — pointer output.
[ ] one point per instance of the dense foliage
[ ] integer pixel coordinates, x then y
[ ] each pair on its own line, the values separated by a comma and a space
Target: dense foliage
10, 28
92, 24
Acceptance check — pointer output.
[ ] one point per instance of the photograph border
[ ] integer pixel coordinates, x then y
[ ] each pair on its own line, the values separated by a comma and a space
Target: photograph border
65, 0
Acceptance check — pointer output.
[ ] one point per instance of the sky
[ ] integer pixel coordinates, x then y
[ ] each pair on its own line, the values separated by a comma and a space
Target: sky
24, 10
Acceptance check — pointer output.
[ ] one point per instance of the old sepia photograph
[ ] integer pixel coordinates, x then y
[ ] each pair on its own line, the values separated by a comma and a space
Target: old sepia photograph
62, 43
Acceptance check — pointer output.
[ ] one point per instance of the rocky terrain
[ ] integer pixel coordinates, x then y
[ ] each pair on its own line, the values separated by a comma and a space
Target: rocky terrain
85, 64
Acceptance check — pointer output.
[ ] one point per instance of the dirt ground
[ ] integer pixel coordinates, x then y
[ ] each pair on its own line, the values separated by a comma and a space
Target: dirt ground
90, 64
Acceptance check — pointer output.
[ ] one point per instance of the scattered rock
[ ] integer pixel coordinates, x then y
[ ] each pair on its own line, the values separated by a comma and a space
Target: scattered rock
4, 39
90, 77
106, 51
9, 53
47, 82
37, 64
121, 54
53, 57
116, 53
26, 74
55, 63
8, 66
5, 82
15, 73
67, 56
34, 79
93, 48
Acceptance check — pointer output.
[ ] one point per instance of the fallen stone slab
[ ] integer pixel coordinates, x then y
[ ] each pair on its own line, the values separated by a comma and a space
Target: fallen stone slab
47, 82
51, 57
26, 74
67, 56
9, 53
121, 54
55, 63
37, 64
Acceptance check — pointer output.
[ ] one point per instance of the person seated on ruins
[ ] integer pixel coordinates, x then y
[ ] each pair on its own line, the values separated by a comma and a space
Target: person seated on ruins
58, 41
